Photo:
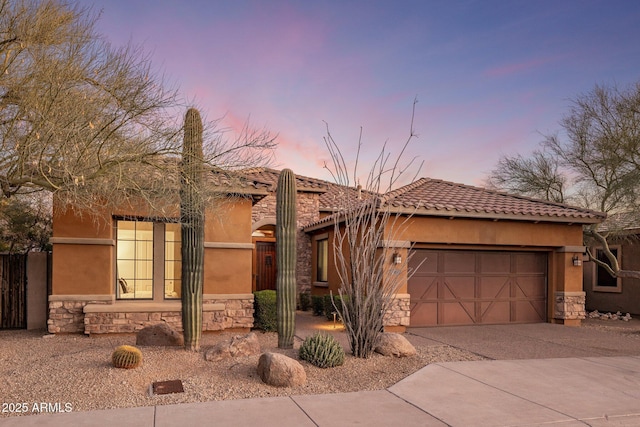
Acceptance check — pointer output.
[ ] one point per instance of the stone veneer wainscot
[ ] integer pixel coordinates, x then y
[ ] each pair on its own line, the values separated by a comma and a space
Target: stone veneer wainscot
569, 305
101, 314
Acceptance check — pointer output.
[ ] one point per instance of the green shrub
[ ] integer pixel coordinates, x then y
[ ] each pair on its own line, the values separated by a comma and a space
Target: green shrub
322, 350
265, 315
329, 308
317, 304
305, 301
126, 357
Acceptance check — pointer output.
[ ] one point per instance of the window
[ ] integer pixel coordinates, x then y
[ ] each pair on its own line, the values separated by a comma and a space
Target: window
148, 260
172, 261
602, 280
322, 258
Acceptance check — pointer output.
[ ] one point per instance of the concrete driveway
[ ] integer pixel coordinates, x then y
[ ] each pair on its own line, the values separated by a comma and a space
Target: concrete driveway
537, 341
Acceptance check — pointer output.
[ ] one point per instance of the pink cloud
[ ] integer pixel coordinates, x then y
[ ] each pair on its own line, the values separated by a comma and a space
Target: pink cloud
519, 67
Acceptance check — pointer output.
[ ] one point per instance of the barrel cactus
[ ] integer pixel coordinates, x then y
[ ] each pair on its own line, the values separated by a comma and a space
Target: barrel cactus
192, 229
286, 257
322, 350
126, 357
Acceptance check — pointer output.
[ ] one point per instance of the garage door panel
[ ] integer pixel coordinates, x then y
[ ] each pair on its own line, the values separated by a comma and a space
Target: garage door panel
495, 312
424, 262
530, 311
478, 287
457, 288
493, 287
533, 287
531, 263
494, 263
459, 262
462, 313
425, 314
424, 288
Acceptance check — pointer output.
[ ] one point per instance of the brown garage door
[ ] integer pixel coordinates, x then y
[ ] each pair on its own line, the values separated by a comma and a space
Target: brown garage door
469, 287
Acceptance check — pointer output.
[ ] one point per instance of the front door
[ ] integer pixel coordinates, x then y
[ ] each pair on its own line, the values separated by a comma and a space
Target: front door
265, 268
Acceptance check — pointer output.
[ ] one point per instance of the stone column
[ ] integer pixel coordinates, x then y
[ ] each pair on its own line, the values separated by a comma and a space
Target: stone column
569, 306
568, 302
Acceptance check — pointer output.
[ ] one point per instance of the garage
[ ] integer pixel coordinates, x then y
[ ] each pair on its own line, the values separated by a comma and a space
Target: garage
465, 287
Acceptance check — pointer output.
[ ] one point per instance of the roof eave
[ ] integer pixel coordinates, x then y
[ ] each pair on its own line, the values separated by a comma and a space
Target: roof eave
494, 216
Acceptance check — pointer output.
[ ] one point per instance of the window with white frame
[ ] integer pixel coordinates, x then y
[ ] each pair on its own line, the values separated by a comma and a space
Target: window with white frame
148, 260
602, 280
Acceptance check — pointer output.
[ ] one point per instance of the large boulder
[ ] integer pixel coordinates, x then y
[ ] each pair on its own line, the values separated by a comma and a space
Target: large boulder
239, 345
159, 334
281, 371
392, 344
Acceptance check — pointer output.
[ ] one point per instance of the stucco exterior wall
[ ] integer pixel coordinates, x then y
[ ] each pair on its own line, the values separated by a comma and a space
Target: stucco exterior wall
83, 275
489, 232
625, 301
82, 269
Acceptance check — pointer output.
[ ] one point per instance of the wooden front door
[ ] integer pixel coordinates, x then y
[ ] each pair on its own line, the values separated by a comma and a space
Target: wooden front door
265, 268
469, 287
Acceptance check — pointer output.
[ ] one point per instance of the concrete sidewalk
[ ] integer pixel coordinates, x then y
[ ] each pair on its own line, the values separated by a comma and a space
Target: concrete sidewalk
564, 392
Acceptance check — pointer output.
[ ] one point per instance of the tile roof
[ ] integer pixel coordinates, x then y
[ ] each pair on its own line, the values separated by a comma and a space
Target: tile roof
621, 222
331, 194
433, 197
443, 198
232, 183
270, 177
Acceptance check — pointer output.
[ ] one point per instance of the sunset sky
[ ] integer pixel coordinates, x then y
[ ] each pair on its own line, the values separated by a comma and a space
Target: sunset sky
491, 77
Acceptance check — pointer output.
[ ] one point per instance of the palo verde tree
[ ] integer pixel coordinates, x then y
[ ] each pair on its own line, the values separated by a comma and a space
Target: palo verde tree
363, 227
192, 229
92, 123
594, 164
78, 117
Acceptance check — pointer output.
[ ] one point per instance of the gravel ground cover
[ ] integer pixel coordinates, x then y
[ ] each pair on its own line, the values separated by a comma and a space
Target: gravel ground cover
75, 373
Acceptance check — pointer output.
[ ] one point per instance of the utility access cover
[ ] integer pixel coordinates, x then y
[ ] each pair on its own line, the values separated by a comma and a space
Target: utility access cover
167, 387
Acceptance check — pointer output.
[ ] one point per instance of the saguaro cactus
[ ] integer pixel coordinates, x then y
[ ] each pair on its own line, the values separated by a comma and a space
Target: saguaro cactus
192, 229
286, 257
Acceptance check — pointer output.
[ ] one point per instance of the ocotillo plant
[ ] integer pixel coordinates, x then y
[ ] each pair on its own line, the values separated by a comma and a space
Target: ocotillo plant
192, 229
286, 257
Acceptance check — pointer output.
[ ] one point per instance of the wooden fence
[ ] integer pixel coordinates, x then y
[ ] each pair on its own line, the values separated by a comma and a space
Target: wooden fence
13, 291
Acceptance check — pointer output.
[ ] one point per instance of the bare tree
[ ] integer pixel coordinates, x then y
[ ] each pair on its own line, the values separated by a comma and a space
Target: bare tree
364, 226
94, 124
537, 176
597, 165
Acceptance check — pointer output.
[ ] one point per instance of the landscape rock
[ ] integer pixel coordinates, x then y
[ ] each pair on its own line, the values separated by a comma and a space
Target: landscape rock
159, 334
609, 316
392, 344
281, 371
239, 345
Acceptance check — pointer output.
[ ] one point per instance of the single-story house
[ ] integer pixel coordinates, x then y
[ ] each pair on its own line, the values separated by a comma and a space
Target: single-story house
606, 293
479, 257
